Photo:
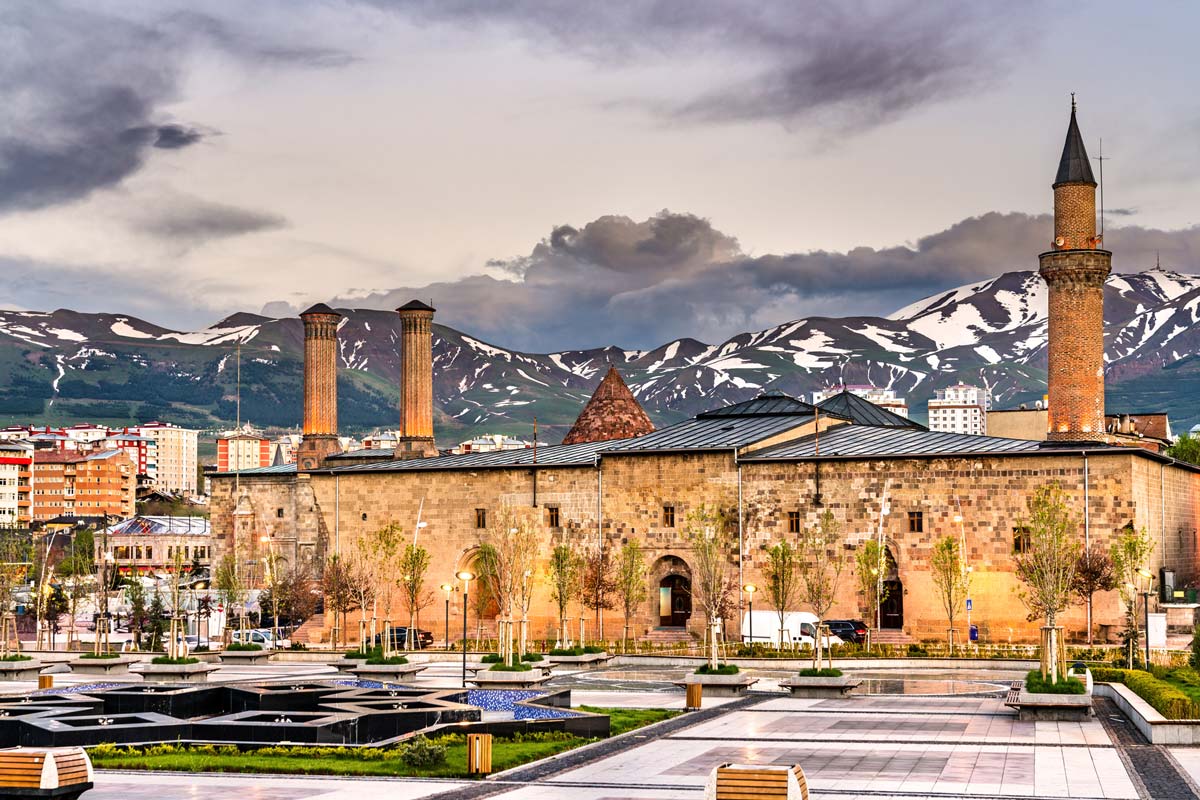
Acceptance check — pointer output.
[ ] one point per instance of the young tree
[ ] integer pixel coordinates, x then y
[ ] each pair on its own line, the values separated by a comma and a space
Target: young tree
1047, 568
512, 555
563, 571
1093, 573
204, 612
1186, 448
231, 587
156, 612
596, 587
135, 596
413, 566
1130, 555
712, 581
871, 563
783, 581
630, 582
385, 548
951, 578
13, 566
487, 592
820, 560
361, 565
74, 575
337, 584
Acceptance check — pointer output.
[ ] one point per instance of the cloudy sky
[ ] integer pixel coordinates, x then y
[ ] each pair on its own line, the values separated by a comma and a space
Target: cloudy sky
559, 174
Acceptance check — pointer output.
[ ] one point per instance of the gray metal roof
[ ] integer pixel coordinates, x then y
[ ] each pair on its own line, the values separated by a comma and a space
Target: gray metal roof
561, 455
867, 441
863, 412
1074, 166
377, 452
276, 469
711, 433
766, 404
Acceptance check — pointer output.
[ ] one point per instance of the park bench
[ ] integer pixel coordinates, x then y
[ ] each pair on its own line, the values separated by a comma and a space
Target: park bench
64, 772
753, 782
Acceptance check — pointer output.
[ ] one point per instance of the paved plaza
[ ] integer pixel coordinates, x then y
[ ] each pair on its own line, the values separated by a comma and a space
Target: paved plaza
901, 746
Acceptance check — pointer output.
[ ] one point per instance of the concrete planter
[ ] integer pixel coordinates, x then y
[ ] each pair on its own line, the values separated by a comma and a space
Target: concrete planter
721, 685
243, 657
175, 673
1062, 707
487, 679
102, 666
1154, 726
386, 673
820, 687
583, 660
20, 670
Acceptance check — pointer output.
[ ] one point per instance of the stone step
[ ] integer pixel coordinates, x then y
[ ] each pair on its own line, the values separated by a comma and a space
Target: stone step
891, 636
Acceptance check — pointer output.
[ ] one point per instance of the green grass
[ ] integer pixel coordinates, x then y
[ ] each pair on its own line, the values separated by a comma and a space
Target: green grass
506, 753
240, 647
518, 667
101, 655
623, 720
1035, 685
174, 661
390, 661
814, 672
722, 669
16, 657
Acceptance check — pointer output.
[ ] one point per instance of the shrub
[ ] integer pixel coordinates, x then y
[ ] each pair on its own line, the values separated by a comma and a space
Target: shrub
421, 753
567, 651
16, 657
392, 661
1195, 662
722, 669
242, 647
1035, 685
1162, 696
175, 661
363, 655
101, 655
811, 672
491, 658
917, 650
532, 657
298, 646
592, 650
518, 667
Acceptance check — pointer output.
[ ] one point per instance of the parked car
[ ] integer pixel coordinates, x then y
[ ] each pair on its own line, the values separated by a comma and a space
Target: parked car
261, 636
423, 639
799, 629
850, 630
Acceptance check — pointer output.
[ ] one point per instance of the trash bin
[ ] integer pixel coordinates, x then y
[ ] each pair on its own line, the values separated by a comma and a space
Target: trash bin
695, 691
974, 633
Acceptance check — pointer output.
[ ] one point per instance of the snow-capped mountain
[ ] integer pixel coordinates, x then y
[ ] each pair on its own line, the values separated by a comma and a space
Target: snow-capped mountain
66, 365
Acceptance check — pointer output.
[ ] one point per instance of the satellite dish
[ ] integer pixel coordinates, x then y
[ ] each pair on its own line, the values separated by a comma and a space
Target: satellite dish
1059, 241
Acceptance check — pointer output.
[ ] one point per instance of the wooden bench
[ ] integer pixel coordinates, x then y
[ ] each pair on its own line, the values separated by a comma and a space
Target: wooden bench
752, 782
44, 772
1014, 691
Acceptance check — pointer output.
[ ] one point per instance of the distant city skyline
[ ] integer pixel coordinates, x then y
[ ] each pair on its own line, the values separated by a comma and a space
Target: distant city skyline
559, 175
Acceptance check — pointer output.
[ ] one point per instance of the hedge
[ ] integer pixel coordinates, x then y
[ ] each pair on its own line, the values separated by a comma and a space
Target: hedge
1162, 696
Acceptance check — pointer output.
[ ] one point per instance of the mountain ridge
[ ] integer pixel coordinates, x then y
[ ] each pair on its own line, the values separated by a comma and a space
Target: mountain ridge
64, 366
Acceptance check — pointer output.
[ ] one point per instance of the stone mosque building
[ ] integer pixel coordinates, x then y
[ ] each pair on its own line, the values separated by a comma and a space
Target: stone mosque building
773, 463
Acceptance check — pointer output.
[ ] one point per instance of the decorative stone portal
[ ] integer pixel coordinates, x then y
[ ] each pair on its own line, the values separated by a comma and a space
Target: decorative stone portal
674, 595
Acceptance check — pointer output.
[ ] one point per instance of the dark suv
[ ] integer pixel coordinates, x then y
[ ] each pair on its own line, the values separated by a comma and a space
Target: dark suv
400, 639
848, 630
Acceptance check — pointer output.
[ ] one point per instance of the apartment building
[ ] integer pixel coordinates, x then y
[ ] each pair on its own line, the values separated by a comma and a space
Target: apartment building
83, 484
16, 476
177, 455
884, 398
960, 409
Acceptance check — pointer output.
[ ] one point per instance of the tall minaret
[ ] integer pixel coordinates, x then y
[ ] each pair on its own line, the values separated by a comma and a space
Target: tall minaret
1075, 271
320, 437
416, 381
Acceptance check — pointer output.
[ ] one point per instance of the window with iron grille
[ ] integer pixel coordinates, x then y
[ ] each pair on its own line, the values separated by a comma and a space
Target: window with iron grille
916, 521
668, 516
793, 521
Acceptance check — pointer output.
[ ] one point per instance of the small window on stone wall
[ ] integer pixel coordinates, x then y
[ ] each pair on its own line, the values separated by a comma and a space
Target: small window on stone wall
668, 516
552, 518
916, 522
793, 518
279, 513
481, 518
1020, 540
364, 516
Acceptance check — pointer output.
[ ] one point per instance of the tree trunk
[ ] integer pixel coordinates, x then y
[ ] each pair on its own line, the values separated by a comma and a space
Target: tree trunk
1089, 618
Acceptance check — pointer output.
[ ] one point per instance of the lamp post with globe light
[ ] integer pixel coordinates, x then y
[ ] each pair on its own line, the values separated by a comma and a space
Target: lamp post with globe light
750, 589
466, 578
447, 588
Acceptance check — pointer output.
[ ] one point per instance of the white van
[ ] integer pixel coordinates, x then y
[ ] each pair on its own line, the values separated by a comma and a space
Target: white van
799, 629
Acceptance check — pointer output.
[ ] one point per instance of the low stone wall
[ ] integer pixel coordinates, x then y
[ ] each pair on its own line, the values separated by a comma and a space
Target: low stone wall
1153, 725
794, 664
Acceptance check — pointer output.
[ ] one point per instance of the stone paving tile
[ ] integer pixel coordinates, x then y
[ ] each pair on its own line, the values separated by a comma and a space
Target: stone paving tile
159, 786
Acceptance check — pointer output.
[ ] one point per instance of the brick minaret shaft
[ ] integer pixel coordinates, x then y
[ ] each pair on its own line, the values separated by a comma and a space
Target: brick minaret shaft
1075, 271
416, 381
320, 387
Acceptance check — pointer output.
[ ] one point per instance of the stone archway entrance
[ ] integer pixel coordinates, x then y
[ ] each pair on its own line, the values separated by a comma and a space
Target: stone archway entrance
674, 592
891, 610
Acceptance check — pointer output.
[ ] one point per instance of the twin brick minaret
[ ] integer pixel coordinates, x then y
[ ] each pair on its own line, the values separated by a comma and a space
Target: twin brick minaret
320, 439
1075, 271
416, 381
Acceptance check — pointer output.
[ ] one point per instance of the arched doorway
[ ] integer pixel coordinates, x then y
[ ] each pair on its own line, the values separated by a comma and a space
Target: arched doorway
674, 592
891, 610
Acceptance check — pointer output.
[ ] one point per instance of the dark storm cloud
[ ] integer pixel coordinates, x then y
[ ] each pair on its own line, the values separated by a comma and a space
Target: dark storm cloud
640, 284
845, 65
83, 93
188, 220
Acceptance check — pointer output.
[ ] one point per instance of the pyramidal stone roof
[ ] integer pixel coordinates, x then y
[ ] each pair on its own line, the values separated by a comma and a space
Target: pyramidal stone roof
612, 413
1074, 166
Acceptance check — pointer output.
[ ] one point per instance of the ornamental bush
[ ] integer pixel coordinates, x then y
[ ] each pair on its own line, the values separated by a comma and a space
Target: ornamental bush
812, 672
1162, 696
422, 753
174, 661
1035, 685
242, 647
722, 669
514, 668
393, 661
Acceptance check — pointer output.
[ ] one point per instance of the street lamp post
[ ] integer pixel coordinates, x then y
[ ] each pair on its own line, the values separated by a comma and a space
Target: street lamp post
750, 589
1146, 592
447, 588
465, 577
